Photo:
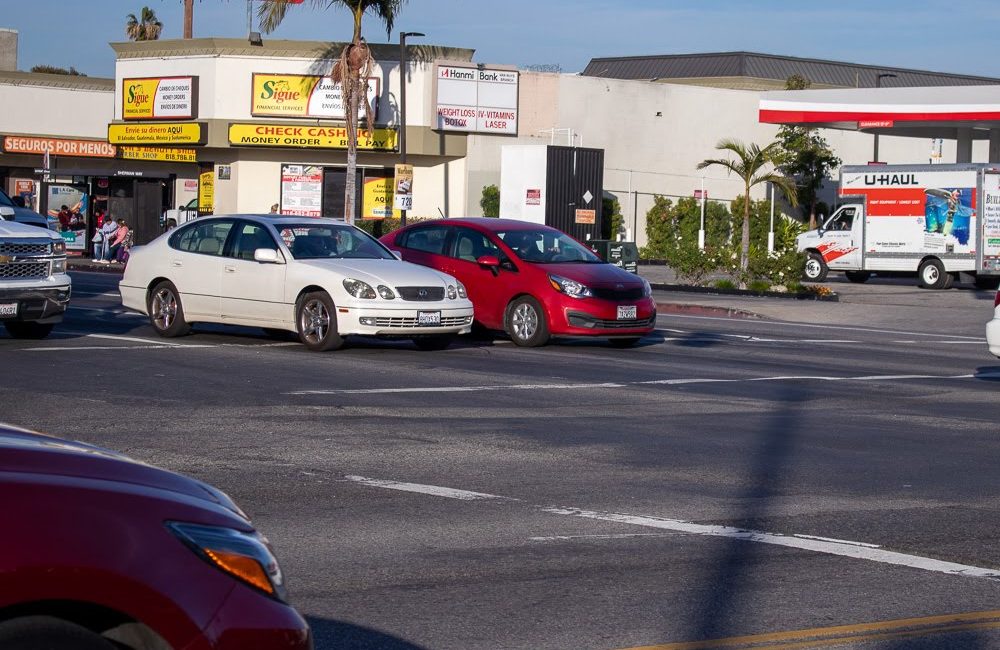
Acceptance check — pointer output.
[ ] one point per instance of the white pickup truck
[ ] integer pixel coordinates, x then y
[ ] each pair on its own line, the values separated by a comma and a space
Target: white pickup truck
34, 287
177, 216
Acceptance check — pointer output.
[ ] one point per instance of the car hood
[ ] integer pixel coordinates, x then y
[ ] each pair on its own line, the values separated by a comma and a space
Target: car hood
27, 452
393, 273
17, 229
594, 275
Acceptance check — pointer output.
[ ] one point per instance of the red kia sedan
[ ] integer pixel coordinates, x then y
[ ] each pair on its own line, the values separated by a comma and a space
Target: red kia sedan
102, 552
532, 281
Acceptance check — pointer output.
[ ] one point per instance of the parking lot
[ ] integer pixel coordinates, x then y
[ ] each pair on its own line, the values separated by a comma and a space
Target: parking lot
823, 465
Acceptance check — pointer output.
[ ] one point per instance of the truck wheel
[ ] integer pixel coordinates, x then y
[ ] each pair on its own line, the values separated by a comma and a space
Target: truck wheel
316, 318
166, 314
859, 277
815, 269
526, 324
987, 282
34, 632
932, 275
28, 330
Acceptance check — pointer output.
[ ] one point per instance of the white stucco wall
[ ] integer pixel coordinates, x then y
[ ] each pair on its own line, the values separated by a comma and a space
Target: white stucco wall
40, 110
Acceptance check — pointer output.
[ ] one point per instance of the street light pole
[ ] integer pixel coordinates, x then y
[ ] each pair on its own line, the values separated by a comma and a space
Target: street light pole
878, 84
402, 105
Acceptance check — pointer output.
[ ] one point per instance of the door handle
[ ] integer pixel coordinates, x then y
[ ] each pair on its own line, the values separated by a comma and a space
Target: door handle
177, 263
230, 269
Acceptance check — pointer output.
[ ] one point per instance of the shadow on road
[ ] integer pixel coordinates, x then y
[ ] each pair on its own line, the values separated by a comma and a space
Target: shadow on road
330, 634
988, 373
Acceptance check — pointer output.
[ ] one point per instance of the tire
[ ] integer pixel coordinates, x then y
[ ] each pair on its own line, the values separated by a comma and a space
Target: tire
931, 275
436, 342
166, 314
858, 277
28, 329
34, 632
316, 320
171, 224
987, 282
815, 269
526, 323
625, 342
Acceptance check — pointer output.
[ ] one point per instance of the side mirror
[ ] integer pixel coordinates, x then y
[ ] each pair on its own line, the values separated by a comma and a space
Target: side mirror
397, 254
267, 256
6, 212
491, 261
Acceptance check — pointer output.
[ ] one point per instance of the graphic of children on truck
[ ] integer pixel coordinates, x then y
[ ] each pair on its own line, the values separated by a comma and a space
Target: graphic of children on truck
949, 212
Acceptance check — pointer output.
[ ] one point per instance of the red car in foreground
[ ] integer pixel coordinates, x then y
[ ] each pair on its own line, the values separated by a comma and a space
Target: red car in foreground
532, 281
102, 553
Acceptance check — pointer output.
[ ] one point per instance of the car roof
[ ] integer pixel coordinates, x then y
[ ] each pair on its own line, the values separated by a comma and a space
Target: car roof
275, 219
486, 223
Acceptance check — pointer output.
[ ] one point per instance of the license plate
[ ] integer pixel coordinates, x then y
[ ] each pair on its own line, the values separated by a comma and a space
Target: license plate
626, 312
8, 309
428, 318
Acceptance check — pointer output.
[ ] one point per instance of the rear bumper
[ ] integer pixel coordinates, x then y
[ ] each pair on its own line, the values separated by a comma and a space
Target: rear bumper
600, 318
40, 305
993, 336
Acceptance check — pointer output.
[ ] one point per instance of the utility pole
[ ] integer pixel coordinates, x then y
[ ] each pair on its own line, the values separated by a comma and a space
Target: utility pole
188, 18
402, 105
878, 84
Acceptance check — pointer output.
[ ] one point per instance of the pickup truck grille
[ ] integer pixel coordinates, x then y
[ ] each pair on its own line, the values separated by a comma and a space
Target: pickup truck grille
24, 270
20, 248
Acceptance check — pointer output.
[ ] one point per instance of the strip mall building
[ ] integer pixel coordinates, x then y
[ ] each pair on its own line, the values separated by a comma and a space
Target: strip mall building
238, 127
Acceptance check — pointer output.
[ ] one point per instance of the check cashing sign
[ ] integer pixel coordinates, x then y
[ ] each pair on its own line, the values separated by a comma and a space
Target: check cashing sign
297, 95
308, 137
159, 98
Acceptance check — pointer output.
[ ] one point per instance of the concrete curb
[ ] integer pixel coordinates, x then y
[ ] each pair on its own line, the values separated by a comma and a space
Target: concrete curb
691, 288
86, 265
704, 310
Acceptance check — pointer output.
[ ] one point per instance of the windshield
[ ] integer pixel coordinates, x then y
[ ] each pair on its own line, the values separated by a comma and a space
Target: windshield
5, 200
313, 241
547, 247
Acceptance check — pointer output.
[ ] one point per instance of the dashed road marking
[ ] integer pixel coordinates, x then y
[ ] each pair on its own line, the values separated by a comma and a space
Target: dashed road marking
433, 490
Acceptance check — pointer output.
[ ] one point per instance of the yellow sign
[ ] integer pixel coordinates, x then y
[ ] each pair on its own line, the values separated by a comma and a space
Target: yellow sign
157, 153
377, 203
161, 133
312, 137
159, 97
298, 95
206, 192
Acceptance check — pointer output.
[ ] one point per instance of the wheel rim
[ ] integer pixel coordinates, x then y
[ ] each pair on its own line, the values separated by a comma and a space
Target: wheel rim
164, 309
812, 268
931, 275
524, 321
314, 321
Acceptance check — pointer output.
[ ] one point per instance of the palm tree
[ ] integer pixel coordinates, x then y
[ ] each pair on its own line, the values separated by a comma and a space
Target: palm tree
351, 70
750, 163
144, 28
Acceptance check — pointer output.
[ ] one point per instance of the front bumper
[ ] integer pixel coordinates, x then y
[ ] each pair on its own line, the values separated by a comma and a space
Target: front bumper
382, 321
993, 336
600, 318
250, 620
37, 304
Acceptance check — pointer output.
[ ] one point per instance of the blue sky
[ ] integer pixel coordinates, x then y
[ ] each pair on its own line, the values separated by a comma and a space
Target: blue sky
957, 36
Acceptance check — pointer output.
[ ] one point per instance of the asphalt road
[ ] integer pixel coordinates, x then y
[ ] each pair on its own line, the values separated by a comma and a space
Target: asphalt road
798, 484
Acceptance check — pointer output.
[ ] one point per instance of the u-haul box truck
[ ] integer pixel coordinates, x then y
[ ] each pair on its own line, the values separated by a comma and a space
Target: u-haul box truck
932, 220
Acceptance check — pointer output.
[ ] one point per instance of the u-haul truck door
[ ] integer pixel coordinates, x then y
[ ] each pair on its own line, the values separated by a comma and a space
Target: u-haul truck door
988, 258
841, 242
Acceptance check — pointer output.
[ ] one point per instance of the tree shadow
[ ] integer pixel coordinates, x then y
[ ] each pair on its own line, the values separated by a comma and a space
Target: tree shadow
329, 634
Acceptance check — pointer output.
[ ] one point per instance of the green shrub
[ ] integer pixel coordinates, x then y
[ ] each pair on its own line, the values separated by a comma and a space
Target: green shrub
724, 284
760, 286
490, 203
612, 223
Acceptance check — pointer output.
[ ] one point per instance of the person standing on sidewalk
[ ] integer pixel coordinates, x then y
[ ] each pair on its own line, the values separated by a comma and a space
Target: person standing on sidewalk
107, 231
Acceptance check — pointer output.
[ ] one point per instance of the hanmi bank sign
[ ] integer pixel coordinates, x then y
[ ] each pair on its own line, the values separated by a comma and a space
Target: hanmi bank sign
475, 99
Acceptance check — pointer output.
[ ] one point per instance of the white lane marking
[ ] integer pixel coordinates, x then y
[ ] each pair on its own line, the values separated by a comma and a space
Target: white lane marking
88, 294
830, 327
848, 549
434, 490
451, 389
135, 339
560, 538
116, 312
826, 545
72, 348
650, 382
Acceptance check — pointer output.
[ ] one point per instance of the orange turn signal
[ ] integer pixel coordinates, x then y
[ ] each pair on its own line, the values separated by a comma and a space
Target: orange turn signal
243, 567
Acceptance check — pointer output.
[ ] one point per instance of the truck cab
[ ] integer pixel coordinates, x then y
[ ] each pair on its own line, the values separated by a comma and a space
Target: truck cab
837, 244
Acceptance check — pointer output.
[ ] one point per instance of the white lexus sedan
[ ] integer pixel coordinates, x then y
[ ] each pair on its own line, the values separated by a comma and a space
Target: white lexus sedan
320, 278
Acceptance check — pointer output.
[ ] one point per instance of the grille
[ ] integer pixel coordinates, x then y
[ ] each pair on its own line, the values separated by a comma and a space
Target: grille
605, 293
446, 321
412, 293
20, 270
14, 248
577, 320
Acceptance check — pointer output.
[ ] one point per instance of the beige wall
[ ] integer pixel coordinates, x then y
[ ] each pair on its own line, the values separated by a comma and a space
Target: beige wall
41, 110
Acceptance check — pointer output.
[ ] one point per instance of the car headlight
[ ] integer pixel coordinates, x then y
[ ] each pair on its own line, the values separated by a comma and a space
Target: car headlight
647, 289
245, 556
359, 289
58, 266
571, 288
461, 290
386, 292
452, 292
59, 247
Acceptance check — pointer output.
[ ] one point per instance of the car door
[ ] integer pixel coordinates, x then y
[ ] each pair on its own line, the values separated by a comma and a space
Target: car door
489, 288
841, 246
195, 264
253, 292
425, 245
